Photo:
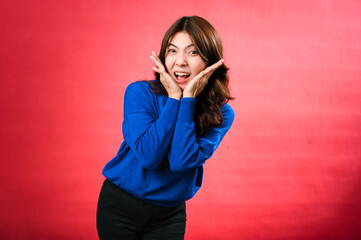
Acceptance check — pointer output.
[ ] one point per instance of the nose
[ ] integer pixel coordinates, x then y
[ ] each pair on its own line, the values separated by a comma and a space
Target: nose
181, 60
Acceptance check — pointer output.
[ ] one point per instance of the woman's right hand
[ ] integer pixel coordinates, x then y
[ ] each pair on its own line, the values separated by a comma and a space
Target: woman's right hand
169, 84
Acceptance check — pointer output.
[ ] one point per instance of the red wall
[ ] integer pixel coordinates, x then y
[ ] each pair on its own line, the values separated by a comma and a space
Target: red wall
290, 168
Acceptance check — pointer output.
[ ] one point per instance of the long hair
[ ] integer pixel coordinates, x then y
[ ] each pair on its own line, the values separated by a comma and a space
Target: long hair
216, 93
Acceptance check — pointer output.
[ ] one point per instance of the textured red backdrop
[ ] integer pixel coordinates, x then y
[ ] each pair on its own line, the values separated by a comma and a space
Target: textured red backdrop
290, 168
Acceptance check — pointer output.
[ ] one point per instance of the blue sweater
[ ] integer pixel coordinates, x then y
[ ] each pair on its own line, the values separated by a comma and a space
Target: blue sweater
156, 127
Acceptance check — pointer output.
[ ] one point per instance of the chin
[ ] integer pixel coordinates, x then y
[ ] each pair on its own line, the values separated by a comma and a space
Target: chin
182, 86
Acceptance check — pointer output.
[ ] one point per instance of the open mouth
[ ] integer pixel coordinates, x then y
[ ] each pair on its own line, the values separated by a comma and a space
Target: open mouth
181, 76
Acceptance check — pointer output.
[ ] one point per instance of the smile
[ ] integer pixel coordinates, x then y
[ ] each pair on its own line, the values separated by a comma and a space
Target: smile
181, 76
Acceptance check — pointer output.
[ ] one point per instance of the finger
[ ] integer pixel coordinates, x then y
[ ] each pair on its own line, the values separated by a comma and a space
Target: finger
158, 64
157, 70
164, 76
209, 70
206, 73
213, 67
157, 61
156, 57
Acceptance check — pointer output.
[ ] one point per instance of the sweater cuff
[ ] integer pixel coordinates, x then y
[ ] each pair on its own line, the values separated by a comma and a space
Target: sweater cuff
172, 106
186, 111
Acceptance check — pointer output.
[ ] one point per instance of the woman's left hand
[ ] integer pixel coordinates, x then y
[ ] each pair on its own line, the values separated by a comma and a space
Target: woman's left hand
197, 84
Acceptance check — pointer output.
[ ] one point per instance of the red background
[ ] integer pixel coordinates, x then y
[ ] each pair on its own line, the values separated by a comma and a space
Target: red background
290, 167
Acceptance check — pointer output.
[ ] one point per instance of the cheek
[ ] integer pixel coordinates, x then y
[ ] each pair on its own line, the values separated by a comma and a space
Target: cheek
168, 63
199, 66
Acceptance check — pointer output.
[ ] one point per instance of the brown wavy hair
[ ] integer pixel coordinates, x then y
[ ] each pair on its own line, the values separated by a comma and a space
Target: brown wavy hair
216, 93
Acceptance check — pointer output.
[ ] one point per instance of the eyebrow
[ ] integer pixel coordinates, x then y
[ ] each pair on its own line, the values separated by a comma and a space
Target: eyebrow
171, 44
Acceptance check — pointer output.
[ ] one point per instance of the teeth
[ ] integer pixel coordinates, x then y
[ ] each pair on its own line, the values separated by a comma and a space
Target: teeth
181, 74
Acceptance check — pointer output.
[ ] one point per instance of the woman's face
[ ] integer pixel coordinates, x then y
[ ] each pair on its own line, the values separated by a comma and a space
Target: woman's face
182, 60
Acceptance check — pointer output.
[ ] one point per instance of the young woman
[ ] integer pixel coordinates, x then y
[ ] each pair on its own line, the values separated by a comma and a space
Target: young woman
171, 126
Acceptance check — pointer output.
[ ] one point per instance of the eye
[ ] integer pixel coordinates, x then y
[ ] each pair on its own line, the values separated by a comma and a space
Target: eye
193, 52
171, 50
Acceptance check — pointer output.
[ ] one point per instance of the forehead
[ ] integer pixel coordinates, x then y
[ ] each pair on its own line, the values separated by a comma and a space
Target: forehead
181, 39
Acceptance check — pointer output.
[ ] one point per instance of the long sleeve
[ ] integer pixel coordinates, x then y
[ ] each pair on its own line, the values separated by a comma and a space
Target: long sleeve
188, 151
147, 136
156, 127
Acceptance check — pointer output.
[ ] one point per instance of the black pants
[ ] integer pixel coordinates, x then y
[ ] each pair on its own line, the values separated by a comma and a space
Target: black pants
123, 216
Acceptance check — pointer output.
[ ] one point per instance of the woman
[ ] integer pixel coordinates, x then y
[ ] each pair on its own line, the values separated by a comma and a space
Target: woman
171, 126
